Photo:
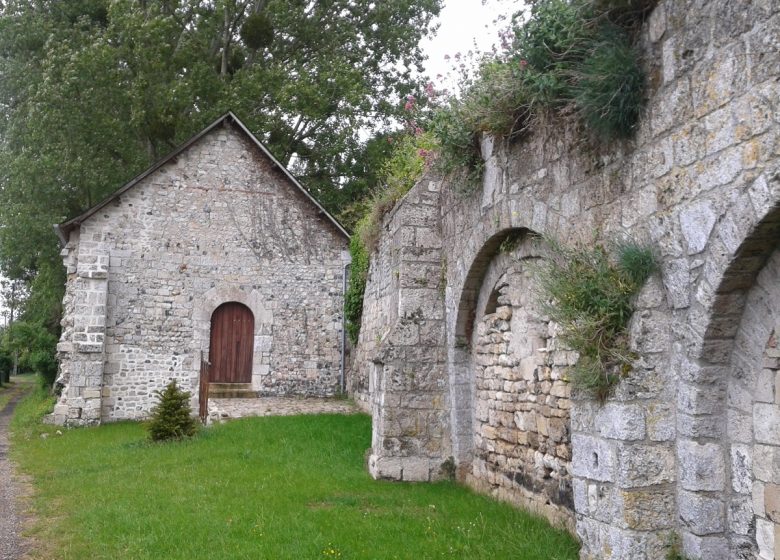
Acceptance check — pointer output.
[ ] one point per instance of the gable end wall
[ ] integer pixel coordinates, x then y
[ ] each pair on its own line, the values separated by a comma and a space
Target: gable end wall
219, 223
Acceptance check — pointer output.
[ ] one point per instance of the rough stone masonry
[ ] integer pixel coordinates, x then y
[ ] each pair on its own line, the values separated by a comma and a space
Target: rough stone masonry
218, 221
463, 374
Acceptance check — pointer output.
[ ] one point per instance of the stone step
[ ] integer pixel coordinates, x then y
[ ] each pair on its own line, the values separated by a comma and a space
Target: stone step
231, 391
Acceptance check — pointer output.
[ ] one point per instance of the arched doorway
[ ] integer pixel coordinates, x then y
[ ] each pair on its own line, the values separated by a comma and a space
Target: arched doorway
232, 344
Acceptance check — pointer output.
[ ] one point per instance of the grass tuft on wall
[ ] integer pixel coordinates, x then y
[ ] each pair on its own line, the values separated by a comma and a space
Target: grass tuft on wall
589, 291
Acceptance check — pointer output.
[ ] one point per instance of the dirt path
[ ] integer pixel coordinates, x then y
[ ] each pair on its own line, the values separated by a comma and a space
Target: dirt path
12, 546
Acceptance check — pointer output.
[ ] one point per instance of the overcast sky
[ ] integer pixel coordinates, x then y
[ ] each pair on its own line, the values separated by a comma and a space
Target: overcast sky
464, 24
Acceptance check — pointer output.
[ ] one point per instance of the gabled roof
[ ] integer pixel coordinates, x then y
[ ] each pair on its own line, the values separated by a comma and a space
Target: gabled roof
63, 230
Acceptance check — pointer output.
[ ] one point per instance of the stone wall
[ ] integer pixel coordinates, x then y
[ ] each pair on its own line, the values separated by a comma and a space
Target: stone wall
691, 429
399, 361
218, 223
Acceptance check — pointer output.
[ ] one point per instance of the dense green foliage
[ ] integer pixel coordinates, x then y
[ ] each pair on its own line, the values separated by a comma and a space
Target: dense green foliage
353, 299
566, 56
172, 416
277, 487
32, 345
93, 90
589, 292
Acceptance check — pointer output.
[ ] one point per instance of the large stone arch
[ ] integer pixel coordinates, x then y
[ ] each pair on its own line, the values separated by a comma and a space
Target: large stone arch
513, 437
459, 360
726, 458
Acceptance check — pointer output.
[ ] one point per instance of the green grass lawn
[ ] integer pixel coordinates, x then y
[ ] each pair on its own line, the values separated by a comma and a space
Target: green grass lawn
259, 488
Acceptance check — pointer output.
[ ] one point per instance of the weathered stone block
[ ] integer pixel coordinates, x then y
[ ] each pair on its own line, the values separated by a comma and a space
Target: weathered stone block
742, 468
701, 514
772, 502
704, 548
701, 466
765, 538
644, 465
385, 468
696, 223
621, 421
740, 516
766, 419
647, 510
593, 458
766, 463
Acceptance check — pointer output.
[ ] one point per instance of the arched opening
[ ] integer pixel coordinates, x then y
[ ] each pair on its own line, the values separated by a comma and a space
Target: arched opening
729, 407
232, 344
513, 437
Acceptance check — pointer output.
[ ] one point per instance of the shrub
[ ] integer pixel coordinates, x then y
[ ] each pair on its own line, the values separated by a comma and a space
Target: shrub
459, 158
589, 293
172, 416
35, 348
554, 33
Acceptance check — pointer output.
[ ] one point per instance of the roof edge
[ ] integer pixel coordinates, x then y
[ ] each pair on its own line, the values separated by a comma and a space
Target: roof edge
63, 229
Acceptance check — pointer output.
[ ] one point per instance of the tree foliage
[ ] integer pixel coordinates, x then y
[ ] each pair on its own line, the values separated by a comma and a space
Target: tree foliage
92, 91
32, 345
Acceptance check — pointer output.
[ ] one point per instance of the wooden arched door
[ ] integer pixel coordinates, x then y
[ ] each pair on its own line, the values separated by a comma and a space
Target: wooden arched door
232, 344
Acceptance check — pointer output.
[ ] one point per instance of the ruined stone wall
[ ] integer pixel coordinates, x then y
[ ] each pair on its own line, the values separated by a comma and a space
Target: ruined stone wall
217, 224
400, 355
674, 450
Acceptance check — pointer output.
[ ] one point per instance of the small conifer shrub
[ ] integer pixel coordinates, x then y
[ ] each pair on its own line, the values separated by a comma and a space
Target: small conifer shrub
172, 417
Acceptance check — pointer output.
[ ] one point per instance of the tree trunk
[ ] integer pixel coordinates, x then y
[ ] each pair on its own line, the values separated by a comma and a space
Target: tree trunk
225, 42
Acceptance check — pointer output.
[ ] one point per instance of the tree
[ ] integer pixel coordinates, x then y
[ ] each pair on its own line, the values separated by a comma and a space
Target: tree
92, 91
172, 416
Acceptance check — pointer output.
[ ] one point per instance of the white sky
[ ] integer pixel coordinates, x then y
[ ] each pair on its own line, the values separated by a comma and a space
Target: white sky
464, 25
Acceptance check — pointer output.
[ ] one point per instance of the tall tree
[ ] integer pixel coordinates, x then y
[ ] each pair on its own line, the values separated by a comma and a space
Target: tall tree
92, 91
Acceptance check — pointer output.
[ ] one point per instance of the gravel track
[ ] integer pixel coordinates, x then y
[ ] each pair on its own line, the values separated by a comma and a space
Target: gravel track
12, 545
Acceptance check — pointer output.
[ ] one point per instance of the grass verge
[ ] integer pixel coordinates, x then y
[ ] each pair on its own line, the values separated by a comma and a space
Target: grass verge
276, 488
17, 384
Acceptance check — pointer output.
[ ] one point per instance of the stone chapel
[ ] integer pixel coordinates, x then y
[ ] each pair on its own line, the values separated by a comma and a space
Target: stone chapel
215, 252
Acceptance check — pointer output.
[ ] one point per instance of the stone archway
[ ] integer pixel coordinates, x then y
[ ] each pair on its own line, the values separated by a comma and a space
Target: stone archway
262, 328
753, 421
514, 429
728, 417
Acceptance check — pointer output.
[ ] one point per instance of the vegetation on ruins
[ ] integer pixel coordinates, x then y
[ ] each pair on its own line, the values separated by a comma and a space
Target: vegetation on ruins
399, 174
562, 57
567, 57
274, 487
589, 291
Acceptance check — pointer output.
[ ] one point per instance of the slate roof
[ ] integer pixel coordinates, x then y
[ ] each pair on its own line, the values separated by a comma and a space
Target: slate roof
63, 230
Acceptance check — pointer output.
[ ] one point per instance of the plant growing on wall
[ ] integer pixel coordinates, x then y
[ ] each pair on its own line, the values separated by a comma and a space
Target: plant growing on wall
353, 299
588, 291
567, 56
172, 417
